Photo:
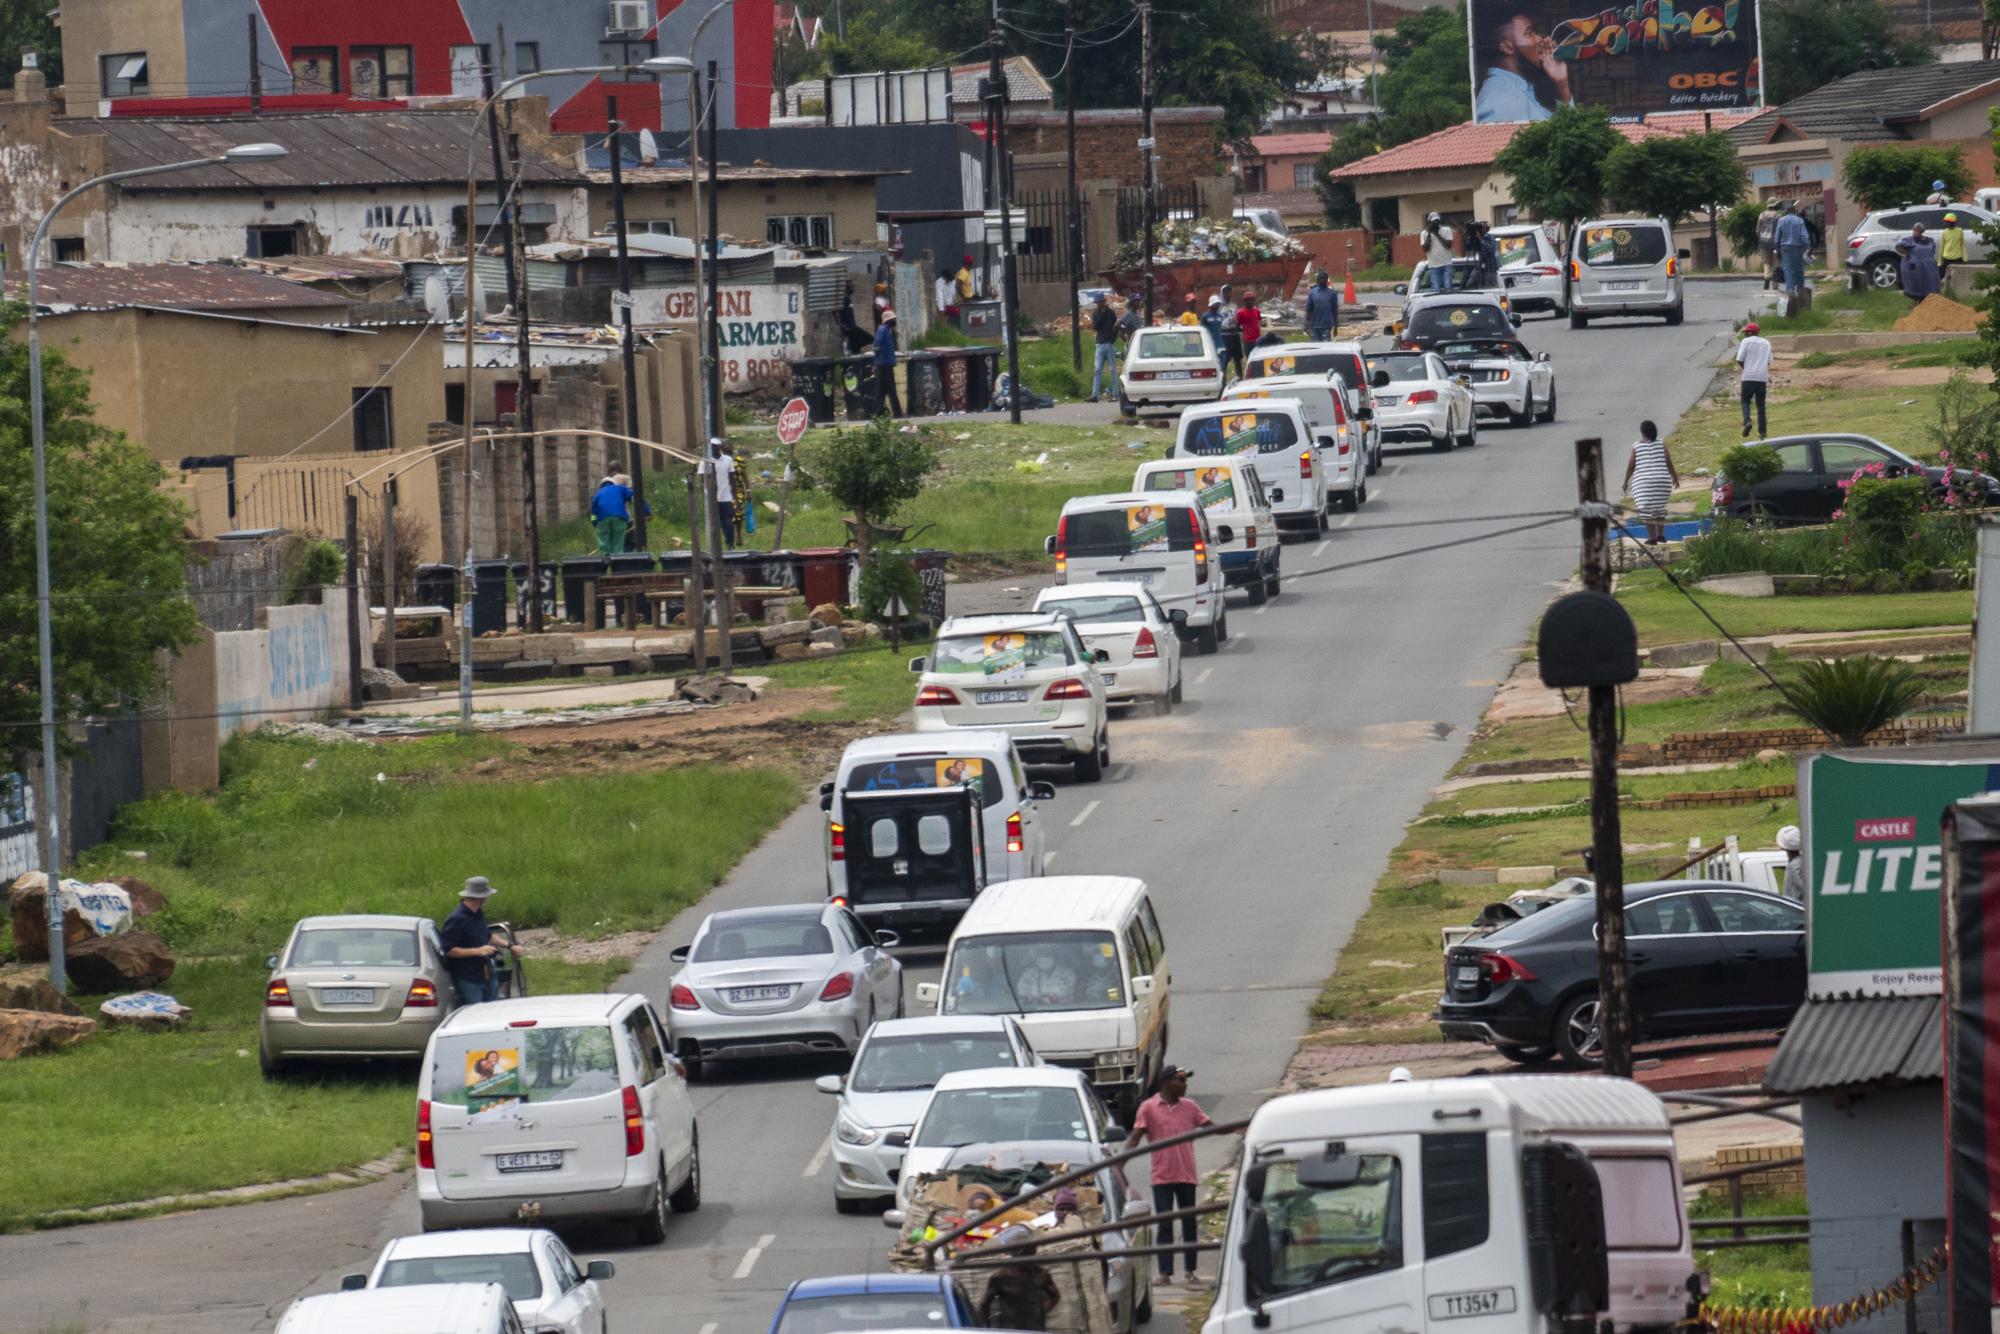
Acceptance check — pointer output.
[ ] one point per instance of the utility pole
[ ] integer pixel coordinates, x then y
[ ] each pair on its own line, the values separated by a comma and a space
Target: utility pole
996, 126
489, 74
615, 137
1075, 217
1607, 853
524, 394
256, 69
709, 110
1369, 18
1146, 136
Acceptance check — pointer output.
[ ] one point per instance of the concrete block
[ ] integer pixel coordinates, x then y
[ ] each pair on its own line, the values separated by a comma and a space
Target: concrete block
830, 636
1525, 875
600, 669
1739, 585
547, 646
671, 643
1751, 651
1477, 875
785, 632
1691, 653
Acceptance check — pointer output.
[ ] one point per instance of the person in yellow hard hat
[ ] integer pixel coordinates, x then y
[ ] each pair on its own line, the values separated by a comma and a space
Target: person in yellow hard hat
1950, 245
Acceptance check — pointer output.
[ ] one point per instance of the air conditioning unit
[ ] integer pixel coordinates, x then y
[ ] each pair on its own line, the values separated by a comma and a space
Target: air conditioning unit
628, 16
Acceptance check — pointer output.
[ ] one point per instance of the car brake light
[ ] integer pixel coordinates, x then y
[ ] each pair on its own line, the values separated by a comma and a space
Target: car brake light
426, 1155
635, 1123
1305, 463
1423, 396
1145, 646
1200, 561
1854, 243
836, 834
1722, 494
1250, 529
1500, 968
681, 997
1206, 373
1014, 842
521, 1023
1547, 270
1143, 375
1673, 266
1067, 688
838, 987
935, 695
423, 995
840, 900
1062, 544
1575, 272
278, 993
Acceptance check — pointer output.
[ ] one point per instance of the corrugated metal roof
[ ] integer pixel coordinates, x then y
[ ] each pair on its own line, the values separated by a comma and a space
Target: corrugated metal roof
349, 149
188, 286
1877, 1040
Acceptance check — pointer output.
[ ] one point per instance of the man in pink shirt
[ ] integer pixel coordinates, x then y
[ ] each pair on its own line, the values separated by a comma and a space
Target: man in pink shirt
1168, 1113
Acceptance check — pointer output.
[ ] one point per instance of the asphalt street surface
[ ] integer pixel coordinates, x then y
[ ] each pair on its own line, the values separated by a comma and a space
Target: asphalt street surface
1260, 812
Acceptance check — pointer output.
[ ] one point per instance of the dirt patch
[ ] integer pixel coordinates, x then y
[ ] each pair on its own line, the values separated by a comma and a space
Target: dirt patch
1876, 375
1939, 314
1524, 696
544, 942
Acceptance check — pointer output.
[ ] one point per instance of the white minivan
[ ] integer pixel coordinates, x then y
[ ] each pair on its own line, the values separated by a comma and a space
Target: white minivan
1343, 451
1274, 436
1081, 961
1624, 266
429, 1308
1162, 541
551, 1108
1230, 493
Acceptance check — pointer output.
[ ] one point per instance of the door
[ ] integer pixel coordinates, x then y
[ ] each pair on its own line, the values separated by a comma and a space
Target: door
1760, 947
1139, 962
528, 1112
1156, 943
662, 1091
1345, 1255
1671, 957
883, 978
435, 970
575, 1302
1793, 495
1028, 861
911, 847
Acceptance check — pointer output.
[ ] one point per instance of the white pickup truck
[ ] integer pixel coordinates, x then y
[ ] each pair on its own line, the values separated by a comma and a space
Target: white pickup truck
1526, 1204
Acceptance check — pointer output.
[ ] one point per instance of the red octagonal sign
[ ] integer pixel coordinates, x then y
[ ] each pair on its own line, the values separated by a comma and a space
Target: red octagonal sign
793, 419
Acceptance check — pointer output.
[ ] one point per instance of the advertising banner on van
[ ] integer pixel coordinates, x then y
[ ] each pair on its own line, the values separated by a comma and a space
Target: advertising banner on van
1874, 867
1146, 527
1531, 56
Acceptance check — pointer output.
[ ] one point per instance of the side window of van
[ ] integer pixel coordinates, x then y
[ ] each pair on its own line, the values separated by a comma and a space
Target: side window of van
1151, 926
647, 1057
1138, 954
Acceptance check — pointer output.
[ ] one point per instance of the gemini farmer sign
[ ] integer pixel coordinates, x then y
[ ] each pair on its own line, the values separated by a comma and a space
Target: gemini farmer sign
1874, 865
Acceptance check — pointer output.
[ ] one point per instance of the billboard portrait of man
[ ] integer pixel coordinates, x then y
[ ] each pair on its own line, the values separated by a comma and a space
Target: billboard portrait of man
1531, 56
1515, 56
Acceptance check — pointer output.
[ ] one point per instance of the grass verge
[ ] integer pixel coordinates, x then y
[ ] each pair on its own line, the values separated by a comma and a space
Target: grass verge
1666, 616
1842, 312
1756, 1276
875, 683
1897, 416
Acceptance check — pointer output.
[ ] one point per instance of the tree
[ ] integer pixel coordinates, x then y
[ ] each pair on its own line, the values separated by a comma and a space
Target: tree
871, 472
1739, 227
116, 548
1355, 140
1425, 85
1672, 177
1558, 164
28, 23
873, 44
1888, 175
1810, 43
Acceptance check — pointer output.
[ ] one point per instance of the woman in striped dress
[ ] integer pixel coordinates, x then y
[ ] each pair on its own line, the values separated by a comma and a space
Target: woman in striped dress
1650, 477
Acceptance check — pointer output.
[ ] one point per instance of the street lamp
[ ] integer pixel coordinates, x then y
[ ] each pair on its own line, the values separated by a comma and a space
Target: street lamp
651, 65
49, 796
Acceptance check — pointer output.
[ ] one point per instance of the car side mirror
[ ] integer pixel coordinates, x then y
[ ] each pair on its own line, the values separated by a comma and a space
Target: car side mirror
353, 1282
1179, 617
830, 1084
1101, 655
1137, 1208
894, 1219
1041, 791
1541, 356
679, 954
897, 1139
888, 940
1461, 379
1114, 1133
1224, 533
1049, 546
1684, 253
270, 961
1401, 289
1894, 470
917, 665
1379, 380
826, 796
1142, 986
1392, 329
1514, 320
927, 992
600, 1270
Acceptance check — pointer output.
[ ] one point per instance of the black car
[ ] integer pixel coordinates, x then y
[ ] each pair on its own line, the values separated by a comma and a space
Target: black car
1704, 957
1809, 491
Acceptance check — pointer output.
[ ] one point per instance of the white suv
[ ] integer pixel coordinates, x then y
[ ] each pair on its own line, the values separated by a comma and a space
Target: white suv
1026, 674
554, 1108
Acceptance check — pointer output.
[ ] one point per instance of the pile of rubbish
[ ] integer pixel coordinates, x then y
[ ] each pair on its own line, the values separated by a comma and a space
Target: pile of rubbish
1207, 238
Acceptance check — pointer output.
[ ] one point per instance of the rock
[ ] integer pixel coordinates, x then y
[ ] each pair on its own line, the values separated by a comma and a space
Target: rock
639, 664
89, 911
826, 613
29, 989
130, 962
717, 690
785, 632
1692, 653
829, 634
1739, 585
380, 676
23, 1031
789, 652
820, 650
1770, 754
154, 1011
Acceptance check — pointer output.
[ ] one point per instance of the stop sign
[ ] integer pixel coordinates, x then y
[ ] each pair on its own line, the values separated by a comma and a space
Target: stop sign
793, 419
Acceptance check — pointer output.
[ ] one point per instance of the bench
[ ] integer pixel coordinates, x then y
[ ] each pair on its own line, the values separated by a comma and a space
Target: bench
661, 591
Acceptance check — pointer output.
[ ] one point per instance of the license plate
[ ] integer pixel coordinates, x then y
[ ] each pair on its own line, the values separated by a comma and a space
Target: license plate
744, 995
1111, 678
1115, 577
1172, 375
1468, 974
1623, 287
1386, 401
1002, 697
549, 1160
347, 996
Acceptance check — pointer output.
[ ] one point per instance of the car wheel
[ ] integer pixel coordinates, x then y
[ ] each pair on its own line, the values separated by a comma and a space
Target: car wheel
899, 998
1090, 766
688, 1198
1445, 443
1884, 273
1205, 640
1126, 407
1163, 704
1272, 584
269, 1066
651, 1226
1548, 412
1676, 315
1527, 413
1259, 594
1577, 319
1578, 1040
1319, 522
1524, 1055
843, 1205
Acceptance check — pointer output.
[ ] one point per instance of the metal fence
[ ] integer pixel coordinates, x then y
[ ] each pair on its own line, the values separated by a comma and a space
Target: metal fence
1041, 251
1168, 200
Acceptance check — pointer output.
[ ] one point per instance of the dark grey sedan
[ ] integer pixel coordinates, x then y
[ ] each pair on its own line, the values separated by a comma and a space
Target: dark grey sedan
1808, 489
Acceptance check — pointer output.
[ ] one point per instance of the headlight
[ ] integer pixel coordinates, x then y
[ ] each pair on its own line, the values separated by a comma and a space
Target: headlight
1126, 1056
853, 1132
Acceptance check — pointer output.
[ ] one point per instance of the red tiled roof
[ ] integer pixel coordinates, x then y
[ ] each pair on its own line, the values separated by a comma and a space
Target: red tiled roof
1291, 145
1475, 145
1287, 202
1339, 16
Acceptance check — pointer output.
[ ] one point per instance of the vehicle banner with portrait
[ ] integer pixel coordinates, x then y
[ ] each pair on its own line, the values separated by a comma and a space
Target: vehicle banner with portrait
1531, 56
1240, 431
1214, 488
1146, 527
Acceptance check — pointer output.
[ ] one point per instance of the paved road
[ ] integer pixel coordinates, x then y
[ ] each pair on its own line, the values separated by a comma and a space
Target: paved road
1303, 748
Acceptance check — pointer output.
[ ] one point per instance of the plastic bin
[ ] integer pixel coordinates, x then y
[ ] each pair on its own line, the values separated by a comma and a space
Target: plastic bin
951, 378
437, 586
551, 609
763, 568
982, 371
857, 393
930, 566
489, 595
576, 571
923, 393
814, 379
824, 574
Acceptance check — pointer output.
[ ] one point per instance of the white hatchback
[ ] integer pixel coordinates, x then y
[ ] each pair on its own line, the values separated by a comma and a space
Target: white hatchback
552, 1292
1027, 674
1127, 622
1173, 363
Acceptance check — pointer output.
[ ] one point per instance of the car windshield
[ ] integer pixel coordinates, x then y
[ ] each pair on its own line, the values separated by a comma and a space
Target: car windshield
1480, 347
1298, 363
899, 1063
1515, 250
1096, 609
874, 1310
1007, 654
1401, 368
1444, 321
1171, 344
1214, 488
1234, 432
958, 1117
494, 1073
929, 771
1323, 1234
355, 947
515, 1272
1618, 246
730, 941
1034, 971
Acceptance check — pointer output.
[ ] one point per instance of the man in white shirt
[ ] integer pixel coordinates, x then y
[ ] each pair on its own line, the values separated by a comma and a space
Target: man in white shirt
1753, 354
1436, 240
1505, 93
725, 493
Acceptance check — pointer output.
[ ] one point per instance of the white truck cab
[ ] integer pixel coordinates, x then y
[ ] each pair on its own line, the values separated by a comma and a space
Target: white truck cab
1522, 1204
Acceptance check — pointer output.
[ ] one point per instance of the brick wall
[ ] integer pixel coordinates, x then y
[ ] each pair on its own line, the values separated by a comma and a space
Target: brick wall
1702, 747
1107, 142
1776, 1183
1731, 796
1332, 250
1873, 1161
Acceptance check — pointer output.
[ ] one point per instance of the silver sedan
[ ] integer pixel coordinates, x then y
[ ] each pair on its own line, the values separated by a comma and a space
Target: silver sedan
352, 986
779, 981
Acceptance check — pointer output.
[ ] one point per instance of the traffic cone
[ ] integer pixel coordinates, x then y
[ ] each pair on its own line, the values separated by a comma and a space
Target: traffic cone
1347, 297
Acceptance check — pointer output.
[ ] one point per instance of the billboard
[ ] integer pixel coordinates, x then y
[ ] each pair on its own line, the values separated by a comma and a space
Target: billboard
1531, 56
1874, 868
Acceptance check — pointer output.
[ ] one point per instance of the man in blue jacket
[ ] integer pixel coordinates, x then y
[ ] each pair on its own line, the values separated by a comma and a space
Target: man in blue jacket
1211, 320
1322, 310
610, 513
1794, 239
885, 365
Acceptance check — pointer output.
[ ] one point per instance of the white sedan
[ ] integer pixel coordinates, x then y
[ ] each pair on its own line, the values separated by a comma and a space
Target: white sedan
1128, 623
1507, 380
1422, 400
552, 1293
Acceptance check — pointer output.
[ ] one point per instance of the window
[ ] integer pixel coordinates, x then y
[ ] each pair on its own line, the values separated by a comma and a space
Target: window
770, 938
1450, 321
355, 947
928, 772
1843, 458
1099, 608
1001, 656
629, 53
270, 242
1741, 913
1455, 1209
1138, 957
807, 231
1321, 1235
1403, 366
373, 427
1795, 458
870, 1310
1031, 972
650, 227
552, 1063
958, 1117
919, 1061
1214, 488
1128, 530
646, 1052
378, 71
315, 69
468, 66
69, 250
1233, 432
1668, 915
1611, 247
857, 935
123, 74
527, 57
568, 1276
515, 1272
1151, 925
1302, 176
882, 840
1641, 1211
933, 835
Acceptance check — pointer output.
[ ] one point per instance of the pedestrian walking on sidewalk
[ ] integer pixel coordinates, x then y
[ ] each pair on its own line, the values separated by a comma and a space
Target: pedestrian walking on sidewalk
1104, 326
1767, 241
885, 366
1650, 478
1753, 354
1322, 310
611, 513
1168, 1113
725, 493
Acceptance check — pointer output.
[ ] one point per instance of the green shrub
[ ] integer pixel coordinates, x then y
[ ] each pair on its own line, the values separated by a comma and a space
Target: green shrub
1847, 698
186, 828
1885, 509
1378, 254
1749, 465
1812, 361
887, 575
313, 565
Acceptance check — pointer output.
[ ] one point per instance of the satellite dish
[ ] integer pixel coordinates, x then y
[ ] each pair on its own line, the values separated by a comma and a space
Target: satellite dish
649, 150
437, 298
